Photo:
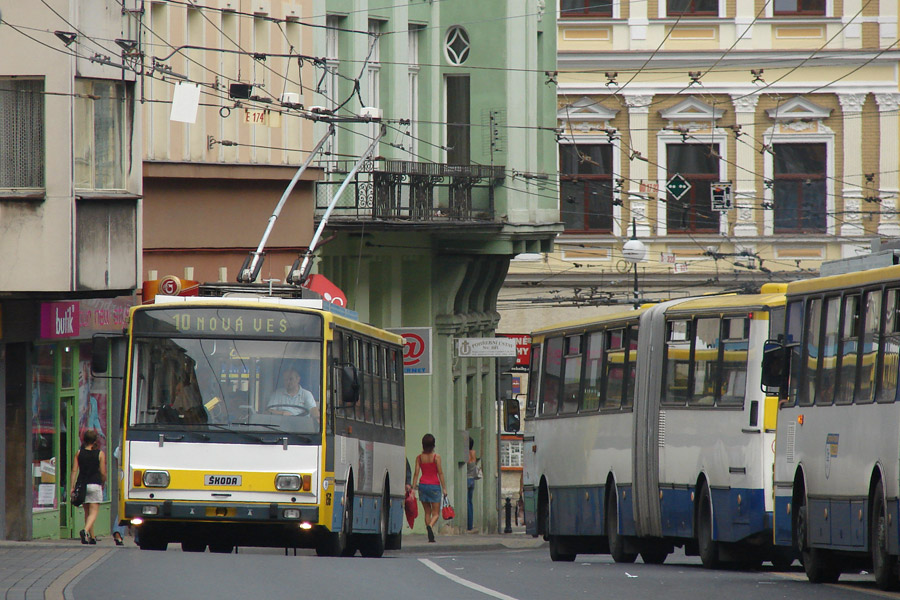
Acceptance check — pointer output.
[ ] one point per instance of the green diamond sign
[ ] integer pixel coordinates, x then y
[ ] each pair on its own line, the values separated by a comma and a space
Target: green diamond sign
678, 186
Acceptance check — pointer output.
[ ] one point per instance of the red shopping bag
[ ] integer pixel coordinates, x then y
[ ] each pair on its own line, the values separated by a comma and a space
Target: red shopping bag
447, 509
411, 508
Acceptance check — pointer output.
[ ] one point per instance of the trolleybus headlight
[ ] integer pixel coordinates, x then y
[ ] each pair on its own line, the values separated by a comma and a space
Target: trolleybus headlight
156, 479
285, 482
291, 513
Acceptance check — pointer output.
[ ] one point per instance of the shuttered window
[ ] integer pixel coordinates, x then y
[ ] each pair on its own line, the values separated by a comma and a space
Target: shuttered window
21, 133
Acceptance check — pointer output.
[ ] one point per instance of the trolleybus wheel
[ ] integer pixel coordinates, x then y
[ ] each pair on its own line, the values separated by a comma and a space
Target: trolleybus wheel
374, 544
148, 539
616, 543
708, 548
338, 543
654, 557
816, 562
884, 566
557, 551
193, 546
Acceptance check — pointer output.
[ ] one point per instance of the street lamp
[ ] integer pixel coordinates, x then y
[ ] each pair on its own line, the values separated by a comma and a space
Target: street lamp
634, 252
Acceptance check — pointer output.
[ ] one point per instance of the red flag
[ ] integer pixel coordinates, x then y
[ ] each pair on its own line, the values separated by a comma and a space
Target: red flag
330, 292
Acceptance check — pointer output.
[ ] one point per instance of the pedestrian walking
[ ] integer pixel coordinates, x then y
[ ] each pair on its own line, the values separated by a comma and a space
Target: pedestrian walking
90, 467
471, 477
431, 485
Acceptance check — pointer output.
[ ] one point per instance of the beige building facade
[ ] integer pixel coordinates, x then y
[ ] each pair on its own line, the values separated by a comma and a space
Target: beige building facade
781, 117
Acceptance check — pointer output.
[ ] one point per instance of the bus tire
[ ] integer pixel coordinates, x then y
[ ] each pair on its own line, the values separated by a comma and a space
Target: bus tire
193, 546
884, 566
654, 557
338, 543
616, 543
373, 545
817, 562
706, 546
149, 539
558, 550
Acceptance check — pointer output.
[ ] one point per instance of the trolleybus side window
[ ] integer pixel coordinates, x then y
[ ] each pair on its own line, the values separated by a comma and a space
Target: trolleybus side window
676, 384
631, 346
870, 343
552, 378
848, 351
811, 351
704, 370
376, 364
824, 392
614, 365
887, 391
794, 340
396, 367
534, 381
572, 373
735, 345
593, 372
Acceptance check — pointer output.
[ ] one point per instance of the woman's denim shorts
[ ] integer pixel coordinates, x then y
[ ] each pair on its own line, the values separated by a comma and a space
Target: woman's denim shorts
429, 492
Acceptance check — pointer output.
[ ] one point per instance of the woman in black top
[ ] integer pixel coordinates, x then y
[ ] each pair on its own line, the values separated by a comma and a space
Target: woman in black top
90, 466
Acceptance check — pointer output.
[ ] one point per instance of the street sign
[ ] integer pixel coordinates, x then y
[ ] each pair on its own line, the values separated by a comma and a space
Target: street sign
722, 196
678, 186
485, 347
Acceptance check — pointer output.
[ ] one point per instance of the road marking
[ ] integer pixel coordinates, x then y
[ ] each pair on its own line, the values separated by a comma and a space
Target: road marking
464, 582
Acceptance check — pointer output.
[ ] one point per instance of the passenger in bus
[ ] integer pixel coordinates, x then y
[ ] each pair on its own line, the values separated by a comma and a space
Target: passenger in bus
291, 398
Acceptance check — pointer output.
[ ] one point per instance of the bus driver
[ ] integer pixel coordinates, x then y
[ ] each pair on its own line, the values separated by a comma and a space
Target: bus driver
291, 398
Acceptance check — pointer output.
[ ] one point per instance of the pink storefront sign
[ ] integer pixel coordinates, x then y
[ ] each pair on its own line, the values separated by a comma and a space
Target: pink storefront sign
83, 318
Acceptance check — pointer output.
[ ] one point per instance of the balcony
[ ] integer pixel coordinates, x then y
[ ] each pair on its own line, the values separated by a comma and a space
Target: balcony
397, 192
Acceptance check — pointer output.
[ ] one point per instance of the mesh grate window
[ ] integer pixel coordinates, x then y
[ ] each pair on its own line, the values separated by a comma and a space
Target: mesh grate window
21, 133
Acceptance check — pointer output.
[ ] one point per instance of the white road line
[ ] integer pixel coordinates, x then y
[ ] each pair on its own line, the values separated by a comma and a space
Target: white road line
464, 582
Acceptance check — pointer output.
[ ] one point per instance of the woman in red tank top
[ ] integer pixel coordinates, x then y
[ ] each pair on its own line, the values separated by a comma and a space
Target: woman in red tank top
431, 484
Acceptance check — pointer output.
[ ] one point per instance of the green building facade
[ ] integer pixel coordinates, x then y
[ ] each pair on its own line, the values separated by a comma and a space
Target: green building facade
422, 237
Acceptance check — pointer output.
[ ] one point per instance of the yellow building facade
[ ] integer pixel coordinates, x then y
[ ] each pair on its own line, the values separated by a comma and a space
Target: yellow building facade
742, 142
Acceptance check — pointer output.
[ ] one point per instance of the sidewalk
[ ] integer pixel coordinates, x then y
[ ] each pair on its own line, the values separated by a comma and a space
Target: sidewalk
415, 543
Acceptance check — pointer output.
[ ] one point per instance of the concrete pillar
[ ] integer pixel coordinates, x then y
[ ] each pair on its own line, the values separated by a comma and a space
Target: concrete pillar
638, 123
888, 187
745, 180
852, 106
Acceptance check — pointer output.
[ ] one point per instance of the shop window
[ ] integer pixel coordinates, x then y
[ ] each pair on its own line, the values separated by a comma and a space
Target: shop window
43, 430
799, 7
693, 8
800, 195
585, 8
699, 165
586, 190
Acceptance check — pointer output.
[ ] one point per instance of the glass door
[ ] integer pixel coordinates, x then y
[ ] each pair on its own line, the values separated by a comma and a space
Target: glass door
68, 445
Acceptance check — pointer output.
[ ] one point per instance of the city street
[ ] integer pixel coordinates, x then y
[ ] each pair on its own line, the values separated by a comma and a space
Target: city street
423, 571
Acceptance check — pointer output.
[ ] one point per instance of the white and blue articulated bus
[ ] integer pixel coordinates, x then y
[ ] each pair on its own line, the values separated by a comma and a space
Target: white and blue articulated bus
837, 464
647, 430
223, 447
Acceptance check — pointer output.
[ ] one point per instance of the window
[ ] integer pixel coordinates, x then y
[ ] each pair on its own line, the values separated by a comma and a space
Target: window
848, 351
21, 133
735, 345
552, 376
800, 202
511, 454
887, 391
631, 345
828, 364
458, 120
457, 45
585, 8
799, 7
813, 330
706, 357
534, 380
678, 362
869, 347
586, 190
699, 165
572, 381
614, 369
372, 91
101, 129
794, 337
695, 8
593, 372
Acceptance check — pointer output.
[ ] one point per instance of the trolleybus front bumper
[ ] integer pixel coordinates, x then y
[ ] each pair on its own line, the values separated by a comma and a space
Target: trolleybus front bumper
230, 512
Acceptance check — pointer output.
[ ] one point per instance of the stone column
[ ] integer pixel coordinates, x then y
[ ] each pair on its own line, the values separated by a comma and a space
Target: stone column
745, 157
850, 216
638, 122
888, 187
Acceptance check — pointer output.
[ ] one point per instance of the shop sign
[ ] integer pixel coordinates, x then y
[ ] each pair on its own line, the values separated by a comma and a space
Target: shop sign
523, 351
416, 349
83, 318
485, 347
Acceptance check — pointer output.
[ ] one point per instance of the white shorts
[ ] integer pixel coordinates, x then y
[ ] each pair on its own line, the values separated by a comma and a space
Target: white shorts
94, 494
